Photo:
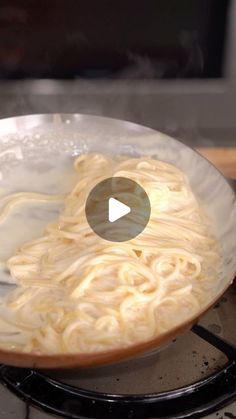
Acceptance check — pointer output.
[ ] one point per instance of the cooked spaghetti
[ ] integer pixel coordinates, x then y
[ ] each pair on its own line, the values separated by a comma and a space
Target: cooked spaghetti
78, 293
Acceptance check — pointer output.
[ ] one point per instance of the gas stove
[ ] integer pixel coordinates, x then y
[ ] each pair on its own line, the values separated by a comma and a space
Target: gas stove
191, 378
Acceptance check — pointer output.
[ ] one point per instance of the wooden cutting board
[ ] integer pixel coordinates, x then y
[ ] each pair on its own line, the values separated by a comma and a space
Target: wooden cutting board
223, 158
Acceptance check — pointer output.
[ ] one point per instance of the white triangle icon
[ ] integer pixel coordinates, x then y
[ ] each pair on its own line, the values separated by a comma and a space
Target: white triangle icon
116, 210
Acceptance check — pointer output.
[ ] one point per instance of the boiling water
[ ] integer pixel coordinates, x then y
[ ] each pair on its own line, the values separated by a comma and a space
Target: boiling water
27, 220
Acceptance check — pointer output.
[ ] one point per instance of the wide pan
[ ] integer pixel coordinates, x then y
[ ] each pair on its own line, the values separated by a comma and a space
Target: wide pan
55, 134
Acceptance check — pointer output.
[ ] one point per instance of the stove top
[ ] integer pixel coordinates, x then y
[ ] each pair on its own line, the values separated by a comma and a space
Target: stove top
193, 376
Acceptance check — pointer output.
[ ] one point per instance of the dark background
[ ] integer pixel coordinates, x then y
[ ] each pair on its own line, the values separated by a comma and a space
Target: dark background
112, 39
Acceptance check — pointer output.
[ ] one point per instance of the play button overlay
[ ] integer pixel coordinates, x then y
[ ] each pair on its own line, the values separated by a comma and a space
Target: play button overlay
117, 209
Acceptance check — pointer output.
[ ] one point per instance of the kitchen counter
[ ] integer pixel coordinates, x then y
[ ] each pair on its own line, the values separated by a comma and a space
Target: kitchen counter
223, 158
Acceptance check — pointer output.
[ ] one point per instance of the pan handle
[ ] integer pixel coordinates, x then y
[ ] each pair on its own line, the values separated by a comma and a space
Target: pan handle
223, 345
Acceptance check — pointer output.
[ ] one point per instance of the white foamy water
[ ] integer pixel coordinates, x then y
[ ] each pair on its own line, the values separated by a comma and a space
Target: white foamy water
28, 220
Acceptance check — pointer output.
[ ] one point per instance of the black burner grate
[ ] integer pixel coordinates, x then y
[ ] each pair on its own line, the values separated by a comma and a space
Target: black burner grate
191, 401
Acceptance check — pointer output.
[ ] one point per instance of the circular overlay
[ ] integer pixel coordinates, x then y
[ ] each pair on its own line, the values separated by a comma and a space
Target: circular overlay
117, 209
